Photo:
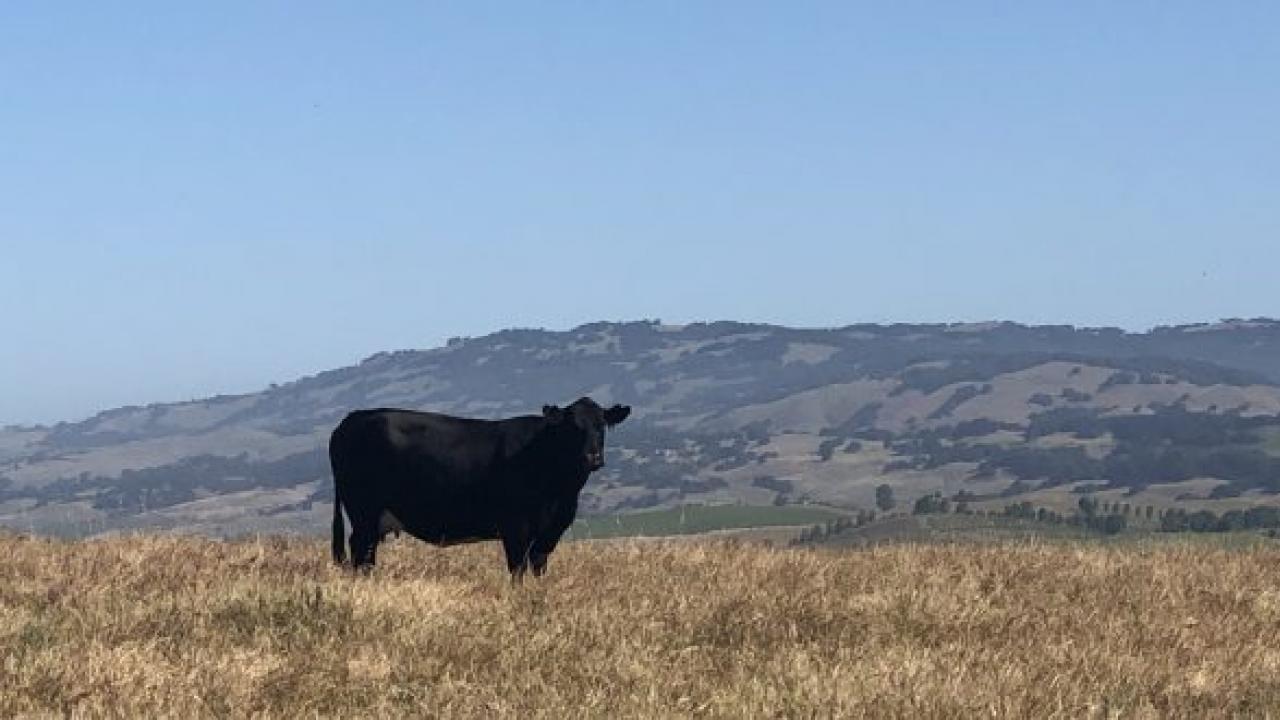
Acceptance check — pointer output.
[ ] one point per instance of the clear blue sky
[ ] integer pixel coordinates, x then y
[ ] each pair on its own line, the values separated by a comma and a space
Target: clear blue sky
206, 197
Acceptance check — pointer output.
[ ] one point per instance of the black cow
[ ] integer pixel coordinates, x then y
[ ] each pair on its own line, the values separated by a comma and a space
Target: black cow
450, 480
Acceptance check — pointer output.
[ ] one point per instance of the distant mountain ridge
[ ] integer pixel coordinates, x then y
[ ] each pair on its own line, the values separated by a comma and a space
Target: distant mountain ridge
724, 412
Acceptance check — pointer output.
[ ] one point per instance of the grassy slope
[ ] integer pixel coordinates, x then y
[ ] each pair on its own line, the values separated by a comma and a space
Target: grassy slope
152, 626
997, 529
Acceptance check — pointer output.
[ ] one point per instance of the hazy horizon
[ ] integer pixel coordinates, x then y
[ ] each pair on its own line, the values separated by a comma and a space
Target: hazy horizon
198, 200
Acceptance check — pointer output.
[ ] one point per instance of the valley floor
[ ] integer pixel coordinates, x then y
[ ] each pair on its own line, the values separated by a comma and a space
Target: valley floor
149, 626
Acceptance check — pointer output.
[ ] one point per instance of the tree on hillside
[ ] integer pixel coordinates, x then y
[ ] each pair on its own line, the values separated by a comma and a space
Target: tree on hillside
931, 504
1113, 524
1202, 521
1024, 510
884, 498
828, 448
1088, 506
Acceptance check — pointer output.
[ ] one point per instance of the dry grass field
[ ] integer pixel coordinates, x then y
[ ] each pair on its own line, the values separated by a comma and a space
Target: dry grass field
159, 626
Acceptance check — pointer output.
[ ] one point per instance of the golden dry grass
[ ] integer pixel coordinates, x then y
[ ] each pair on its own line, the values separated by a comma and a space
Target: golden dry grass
155, 626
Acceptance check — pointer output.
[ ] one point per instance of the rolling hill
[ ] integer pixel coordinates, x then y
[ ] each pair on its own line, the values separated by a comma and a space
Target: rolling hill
724, 413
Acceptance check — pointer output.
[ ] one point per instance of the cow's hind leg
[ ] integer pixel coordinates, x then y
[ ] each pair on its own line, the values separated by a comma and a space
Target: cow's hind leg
364, 543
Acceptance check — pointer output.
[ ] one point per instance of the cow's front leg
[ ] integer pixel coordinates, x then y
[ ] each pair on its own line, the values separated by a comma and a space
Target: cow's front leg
516, 544
559, 518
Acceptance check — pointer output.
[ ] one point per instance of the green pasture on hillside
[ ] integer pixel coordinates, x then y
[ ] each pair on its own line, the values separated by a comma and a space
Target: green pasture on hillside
693, 519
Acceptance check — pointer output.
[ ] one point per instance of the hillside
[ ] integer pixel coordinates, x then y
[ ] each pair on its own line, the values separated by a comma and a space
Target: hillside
153, 626
724, 413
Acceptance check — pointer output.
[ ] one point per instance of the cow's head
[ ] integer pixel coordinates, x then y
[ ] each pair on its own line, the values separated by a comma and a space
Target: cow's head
582, 425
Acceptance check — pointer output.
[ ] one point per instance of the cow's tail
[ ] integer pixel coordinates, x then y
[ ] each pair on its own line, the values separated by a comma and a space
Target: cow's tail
339, 529
339, 532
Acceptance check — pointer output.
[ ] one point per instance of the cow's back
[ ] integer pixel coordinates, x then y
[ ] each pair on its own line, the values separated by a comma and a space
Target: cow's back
419, 447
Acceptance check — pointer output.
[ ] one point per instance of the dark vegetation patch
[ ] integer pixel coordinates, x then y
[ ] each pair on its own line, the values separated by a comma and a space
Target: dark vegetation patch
862, 420
828, 447
769, 482
1073, 395
962, 394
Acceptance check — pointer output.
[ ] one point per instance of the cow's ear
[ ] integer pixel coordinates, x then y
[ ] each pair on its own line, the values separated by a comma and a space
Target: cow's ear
616, 414
553, 413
